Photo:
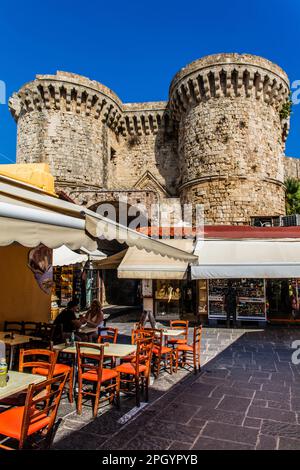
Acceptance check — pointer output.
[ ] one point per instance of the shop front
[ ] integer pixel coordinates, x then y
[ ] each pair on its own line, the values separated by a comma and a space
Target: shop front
264, 272
166, 289
75, 276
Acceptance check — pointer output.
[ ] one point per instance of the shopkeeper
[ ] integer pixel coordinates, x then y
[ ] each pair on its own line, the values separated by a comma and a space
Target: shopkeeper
230, 303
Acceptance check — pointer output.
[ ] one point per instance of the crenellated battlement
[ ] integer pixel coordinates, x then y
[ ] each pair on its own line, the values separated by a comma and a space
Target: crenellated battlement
228, 76
66, 92
73, 93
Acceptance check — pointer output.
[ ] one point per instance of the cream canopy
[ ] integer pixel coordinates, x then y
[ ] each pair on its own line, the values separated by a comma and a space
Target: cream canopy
272, 258
139, 264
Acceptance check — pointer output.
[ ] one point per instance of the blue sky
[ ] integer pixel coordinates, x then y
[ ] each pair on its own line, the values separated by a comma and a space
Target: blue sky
136, 47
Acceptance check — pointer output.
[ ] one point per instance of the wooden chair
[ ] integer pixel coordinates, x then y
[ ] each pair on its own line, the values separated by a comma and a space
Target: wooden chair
161, 354
136, 374
187, 354
50, 369
40, 361
135, 335
179, 325
91, 370
13, 327
36, 416
110, 336
30, 328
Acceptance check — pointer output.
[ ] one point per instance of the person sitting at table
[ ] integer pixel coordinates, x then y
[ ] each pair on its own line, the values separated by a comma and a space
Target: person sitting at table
68, 321
95, 319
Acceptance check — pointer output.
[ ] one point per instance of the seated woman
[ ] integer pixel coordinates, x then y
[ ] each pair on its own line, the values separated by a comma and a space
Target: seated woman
94, 318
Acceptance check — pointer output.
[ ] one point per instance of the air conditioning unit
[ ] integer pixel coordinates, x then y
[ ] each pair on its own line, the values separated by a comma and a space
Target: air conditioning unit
289, 220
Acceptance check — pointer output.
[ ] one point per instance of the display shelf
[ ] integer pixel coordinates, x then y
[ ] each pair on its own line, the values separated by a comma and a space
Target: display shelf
251, 299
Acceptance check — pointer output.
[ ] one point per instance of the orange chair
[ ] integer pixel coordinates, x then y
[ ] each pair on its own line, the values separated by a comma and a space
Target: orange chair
37, 416
135, 335
136, 373
110, 336
179, 325
161, 353
40, 361
48, 369
90, 369
190, 353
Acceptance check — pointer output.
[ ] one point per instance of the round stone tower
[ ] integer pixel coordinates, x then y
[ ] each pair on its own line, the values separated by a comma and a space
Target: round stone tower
63, 120
232, 128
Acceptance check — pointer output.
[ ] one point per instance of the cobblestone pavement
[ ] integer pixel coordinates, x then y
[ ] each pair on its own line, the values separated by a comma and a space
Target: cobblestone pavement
246, 397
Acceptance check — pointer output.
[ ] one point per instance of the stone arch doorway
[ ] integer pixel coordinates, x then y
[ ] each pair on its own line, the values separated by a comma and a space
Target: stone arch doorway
121, 292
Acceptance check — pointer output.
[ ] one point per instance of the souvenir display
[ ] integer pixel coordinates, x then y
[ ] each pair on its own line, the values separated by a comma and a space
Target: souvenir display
251, 298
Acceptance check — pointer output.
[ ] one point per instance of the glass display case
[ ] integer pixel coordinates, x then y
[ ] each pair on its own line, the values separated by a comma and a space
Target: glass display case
167, 298
251, 299
216, 298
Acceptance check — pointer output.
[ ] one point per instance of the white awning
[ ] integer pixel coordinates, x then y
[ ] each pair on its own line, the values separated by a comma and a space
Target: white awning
102, 227
63, 256
220, 259
138, 264
30, 227
29, 216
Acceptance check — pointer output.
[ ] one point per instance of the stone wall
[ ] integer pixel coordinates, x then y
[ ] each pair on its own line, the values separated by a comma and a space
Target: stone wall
231, 137
218, 140
292, 167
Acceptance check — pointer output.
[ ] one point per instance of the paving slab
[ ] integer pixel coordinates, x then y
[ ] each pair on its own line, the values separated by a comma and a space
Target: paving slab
247, 396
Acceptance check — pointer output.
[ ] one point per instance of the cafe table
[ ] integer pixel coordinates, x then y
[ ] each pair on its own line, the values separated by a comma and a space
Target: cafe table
87, 330
19, 381
114, 350
17, 340
172, 332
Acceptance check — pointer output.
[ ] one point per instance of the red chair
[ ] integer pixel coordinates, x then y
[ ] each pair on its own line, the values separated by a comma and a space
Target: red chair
37, 416
187, 354
43, 367
136, 373
90, 369
179, 325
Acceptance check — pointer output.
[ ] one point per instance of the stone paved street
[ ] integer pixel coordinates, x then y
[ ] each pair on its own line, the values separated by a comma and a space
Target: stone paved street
246, 397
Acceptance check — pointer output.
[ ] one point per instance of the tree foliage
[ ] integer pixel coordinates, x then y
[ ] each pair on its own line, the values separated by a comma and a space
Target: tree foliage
292, 196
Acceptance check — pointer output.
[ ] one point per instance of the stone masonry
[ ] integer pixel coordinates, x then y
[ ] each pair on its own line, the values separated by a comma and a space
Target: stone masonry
219, 140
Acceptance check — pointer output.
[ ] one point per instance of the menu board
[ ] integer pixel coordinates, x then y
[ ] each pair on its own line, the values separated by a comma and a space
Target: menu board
251, 298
